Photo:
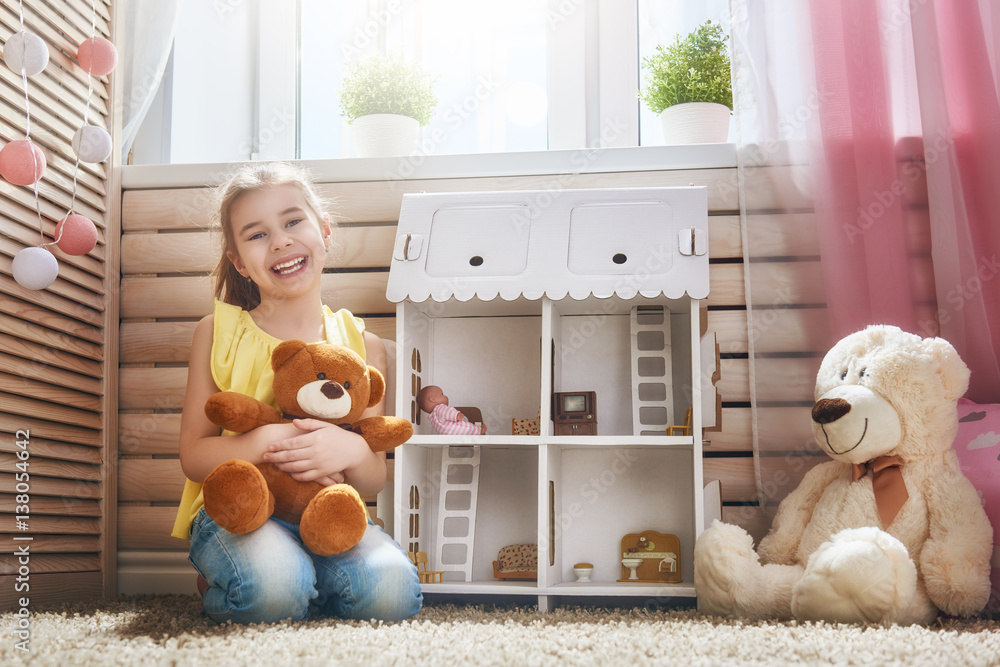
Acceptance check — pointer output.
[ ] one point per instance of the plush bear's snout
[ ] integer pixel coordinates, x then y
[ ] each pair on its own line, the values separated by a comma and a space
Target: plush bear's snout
332, 390
828, 410
324, 399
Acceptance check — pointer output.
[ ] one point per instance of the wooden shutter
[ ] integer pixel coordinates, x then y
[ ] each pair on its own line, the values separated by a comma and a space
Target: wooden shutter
55, 347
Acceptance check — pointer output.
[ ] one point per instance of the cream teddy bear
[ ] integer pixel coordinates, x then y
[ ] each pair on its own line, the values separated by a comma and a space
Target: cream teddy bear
889, 531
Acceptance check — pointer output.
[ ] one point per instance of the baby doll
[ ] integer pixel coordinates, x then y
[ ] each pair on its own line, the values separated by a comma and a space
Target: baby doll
445, 419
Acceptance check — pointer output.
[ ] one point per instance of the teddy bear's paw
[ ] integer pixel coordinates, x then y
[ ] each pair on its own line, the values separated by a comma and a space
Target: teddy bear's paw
860, 575
334, 521
383, 433
959, 586
236, 497
726, 571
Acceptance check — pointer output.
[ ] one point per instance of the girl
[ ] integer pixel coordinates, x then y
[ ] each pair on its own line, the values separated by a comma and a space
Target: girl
267, 288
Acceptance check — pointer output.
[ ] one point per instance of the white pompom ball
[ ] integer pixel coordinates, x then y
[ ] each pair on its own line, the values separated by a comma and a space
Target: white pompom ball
26, 50
35, 268
92, 143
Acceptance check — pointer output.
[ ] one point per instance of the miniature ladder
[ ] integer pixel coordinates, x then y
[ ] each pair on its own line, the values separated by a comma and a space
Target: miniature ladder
652, 394
456, 525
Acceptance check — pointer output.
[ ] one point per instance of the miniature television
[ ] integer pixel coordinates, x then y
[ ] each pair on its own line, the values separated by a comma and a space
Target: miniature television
574, 406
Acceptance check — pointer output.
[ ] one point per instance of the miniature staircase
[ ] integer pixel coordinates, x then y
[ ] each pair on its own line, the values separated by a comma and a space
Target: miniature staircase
652, 370
456, 525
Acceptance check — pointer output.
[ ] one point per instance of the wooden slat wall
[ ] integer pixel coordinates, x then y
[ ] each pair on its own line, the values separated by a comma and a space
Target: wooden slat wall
168, 252
55, 343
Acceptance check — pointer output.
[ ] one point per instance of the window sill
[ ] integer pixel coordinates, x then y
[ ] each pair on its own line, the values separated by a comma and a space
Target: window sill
416, 167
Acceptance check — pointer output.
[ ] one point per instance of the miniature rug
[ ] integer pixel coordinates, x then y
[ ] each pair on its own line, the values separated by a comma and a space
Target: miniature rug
169, 630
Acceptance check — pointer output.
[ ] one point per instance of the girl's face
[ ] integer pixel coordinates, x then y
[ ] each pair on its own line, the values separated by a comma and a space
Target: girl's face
279, 242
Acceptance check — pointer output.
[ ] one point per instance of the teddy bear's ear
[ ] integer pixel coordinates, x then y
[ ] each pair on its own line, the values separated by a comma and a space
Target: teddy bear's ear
954, 373
284, 352
377, 386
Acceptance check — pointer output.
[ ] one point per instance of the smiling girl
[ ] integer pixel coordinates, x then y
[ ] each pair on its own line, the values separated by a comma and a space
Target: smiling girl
268, 289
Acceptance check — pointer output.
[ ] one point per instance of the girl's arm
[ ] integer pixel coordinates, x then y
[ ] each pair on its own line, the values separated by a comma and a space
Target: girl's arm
325, 450
202, 447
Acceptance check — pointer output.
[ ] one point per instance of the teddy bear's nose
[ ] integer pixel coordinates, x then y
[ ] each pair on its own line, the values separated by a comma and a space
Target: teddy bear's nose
332, 390
829, 410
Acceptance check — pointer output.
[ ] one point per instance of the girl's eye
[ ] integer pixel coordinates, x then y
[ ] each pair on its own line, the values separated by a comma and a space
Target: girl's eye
843, 376
293, 222
258, 235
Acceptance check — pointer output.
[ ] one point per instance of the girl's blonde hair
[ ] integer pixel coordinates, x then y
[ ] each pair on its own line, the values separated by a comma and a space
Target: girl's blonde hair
230, 286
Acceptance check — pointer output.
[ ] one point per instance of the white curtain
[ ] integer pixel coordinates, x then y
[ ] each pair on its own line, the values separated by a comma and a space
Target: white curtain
145, 47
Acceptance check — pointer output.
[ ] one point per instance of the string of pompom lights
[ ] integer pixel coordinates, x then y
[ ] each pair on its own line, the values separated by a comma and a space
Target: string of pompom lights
23, 163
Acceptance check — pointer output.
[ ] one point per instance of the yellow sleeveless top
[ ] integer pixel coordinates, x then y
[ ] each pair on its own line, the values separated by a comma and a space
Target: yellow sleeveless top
241, 361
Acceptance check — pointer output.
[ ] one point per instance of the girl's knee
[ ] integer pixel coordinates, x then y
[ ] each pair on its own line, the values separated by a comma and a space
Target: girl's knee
261, 577
406, 599
266, 599
395, 594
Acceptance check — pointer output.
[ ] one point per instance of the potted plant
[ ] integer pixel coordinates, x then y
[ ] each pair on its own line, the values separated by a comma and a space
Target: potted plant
386, 100
689, 83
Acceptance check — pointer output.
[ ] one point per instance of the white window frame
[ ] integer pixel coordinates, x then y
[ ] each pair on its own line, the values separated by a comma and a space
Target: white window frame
276, 116
593, 78
589, 42
618, 58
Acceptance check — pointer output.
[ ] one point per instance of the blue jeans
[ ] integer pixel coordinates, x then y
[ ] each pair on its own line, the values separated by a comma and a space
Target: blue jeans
267, 575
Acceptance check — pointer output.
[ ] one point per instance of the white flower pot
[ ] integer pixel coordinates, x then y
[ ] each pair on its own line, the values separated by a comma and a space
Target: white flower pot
695, 123
385, 135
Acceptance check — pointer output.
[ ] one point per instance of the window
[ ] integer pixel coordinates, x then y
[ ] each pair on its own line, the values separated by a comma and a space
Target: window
490, 88
258, 79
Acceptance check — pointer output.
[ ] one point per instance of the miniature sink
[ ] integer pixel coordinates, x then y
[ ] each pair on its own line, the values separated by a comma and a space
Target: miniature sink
632, 564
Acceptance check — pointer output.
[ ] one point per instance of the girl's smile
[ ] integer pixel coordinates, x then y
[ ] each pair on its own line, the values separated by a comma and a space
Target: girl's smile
291, 266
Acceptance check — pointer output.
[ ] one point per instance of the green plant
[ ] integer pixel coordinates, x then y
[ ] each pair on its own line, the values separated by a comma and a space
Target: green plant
387, 84
695, 69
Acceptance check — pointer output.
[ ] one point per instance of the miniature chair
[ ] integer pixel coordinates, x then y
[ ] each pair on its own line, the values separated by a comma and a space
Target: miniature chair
516, 561
524, 426
426, 576
474, 415
676, 429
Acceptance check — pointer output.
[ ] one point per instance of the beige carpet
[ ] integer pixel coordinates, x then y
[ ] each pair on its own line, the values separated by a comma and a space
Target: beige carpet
169, 630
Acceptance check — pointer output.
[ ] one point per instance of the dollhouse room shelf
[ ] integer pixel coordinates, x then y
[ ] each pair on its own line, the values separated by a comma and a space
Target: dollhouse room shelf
507, 298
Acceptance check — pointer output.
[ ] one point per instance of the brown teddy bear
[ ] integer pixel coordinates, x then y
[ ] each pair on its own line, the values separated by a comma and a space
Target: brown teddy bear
320, 381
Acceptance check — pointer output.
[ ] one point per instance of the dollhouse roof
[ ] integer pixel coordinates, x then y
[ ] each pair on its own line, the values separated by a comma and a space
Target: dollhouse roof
556, 243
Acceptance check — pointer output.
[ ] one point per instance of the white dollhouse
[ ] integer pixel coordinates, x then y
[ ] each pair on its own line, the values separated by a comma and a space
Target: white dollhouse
507, 299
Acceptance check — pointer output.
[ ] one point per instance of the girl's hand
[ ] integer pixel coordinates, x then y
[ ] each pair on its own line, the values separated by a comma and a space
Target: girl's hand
336, 478
320, 452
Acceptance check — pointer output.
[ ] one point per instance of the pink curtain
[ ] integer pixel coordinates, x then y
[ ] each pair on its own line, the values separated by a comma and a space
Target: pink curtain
870, 268
868, 137
957, 74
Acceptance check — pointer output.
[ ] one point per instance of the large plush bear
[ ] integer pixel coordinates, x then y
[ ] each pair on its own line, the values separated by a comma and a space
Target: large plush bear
889, 531
319, 381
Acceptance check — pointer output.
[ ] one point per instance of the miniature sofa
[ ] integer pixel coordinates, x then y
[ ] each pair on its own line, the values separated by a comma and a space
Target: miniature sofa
516, 561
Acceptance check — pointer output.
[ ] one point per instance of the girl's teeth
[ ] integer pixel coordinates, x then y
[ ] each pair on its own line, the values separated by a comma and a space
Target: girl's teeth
288, 267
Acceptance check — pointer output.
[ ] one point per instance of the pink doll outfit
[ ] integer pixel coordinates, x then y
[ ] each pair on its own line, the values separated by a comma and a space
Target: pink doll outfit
446, 421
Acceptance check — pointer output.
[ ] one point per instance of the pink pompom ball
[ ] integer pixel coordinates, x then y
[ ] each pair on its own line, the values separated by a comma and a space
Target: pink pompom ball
21, 162
34, 268
76, 234
97, 56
